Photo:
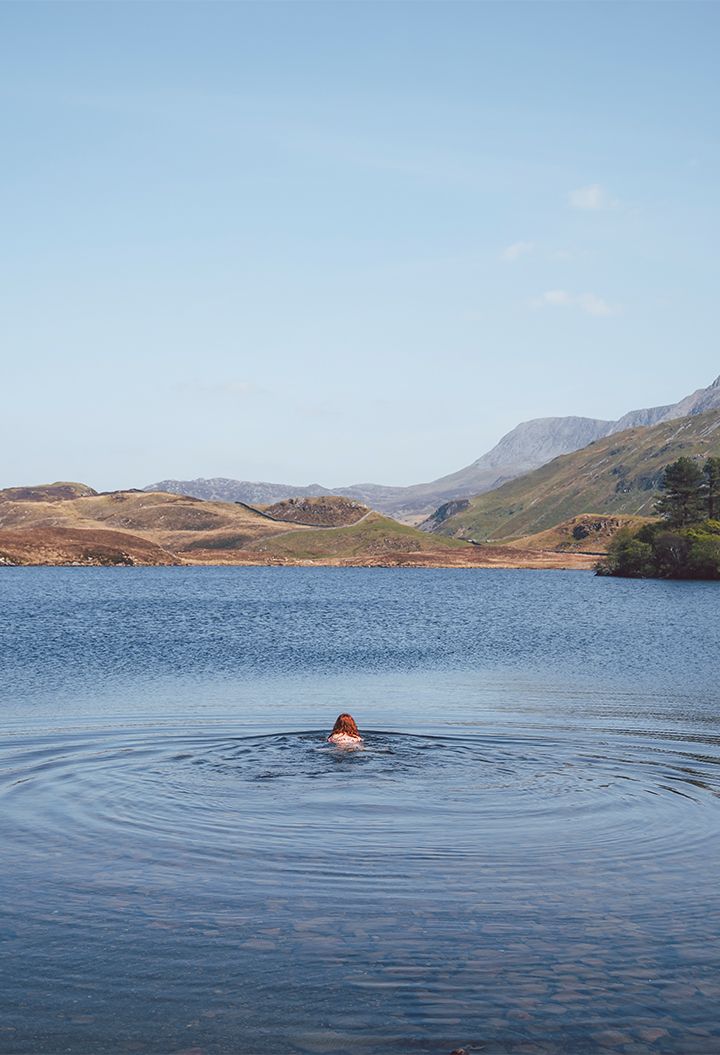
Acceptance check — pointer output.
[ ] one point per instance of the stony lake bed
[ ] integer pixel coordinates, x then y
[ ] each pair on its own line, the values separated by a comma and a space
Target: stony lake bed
522, 859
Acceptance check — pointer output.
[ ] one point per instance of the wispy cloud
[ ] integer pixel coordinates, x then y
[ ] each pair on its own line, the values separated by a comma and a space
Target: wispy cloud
516, 250
223, 388
592, 198
590, 303
561, 255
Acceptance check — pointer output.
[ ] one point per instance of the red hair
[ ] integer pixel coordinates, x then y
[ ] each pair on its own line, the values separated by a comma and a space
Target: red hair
345, 724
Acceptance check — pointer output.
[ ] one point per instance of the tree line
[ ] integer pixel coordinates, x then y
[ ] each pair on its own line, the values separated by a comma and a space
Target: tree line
684, 543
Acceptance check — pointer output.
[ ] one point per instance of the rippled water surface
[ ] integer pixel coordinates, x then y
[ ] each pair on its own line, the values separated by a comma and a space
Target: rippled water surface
523, 858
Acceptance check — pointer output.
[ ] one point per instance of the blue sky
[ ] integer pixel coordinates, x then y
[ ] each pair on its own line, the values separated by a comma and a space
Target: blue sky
346, 242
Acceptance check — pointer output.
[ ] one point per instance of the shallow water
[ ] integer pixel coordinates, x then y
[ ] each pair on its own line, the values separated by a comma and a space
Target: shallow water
522, 858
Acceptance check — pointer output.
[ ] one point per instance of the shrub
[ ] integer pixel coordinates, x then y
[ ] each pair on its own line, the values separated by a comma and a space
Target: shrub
656, 552
704, 557
627, 556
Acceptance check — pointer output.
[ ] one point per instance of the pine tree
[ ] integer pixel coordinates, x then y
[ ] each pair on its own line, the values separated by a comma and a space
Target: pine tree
684, 501
711, 468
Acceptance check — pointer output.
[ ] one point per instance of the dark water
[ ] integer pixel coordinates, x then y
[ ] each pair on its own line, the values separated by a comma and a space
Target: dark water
523, 859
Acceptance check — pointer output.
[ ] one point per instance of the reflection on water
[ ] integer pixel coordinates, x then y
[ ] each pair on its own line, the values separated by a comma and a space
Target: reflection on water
527, 864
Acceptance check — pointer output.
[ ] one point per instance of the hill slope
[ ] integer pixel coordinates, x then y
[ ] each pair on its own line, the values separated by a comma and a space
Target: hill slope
131, 527
378, 541
586, 533
617, 474
65, 545
174, 524
375, 535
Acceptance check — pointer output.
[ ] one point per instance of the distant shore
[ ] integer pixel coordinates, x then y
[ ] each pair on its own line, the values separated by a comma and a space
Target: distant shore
493, 557
490, 557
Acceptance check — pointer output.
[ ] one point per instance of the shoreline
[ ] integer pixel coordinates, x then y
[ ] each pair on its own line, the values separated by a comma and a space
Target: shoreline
542, 561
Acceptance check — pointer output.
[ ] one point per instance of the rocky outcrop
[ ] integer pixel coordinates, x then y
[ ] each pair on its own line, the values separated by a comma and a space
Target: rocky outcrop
326, 511
447, 510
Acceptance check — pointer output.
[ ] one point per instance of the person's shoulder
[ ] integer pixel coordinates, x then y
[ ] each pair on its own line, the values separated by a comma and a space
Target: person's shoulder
344, 738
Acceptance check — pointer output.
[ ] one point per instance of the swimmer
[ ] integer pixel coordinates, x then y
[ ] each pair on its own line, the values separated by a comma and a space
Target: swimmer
345, 732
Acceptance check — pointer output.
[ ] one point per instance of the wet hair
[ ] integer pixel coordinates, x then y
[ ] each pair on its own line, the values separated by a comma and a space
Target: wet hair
345, 724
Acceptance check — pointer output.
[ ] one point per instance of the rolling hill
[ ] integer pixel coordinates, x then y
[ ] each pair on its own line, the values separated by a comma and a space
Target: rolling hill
617, 474
81, 546
72, 524
175, 524
373, 536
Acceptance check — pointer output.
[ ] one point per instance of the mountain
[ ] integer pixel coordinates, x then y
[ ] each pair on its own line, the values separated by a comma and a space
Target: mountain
222, 489
528, 446
525, 447
52, 524
619, 473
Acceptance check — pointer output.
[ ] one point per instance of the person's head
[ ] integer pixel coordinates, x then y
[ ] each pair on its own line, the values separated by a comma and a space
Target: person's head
345, 724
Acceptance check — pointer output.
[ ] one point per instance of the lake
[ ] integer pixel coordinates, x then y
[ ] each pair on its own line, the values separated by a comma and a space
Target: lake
523, 858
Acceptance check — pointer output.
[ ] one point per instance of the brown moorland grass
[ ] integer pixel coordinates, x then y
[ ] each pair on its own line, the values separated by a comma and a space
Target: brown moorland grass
173, 522
153, 527
77, 546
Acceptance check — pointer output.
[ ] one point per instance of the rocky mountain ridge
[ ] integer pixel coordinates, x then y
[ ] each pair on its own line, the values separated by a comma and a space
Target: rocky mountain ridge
225, 489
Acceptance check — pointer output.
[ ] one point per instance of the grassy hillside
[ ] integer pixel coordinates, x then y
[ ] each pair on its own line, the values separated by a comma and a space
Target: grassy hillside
586, 533
375, 535
617, 474
377, 540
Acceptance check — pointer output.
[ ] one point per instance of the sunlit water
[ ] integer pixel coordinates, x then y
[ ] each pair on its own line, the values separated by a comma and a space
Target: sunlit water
523, 858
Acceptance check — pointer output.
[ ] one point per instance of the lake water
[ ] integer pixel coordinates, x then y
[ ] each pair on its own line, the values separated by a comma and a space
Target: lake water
523, 859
